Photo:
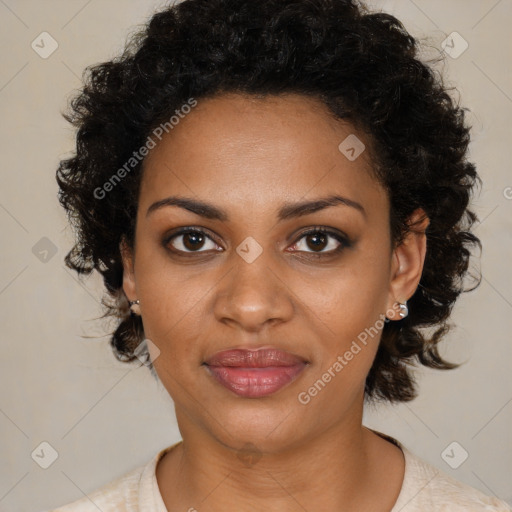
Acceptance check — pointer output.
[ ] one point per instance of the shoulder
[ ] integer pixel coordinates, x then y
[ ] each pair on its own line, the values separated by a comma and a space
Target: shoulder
131, 492
426, 487
119, 495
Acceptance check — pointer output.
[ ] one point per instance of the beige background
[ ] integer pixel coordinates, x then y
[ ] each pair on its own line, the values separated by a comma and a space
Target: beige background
104, 418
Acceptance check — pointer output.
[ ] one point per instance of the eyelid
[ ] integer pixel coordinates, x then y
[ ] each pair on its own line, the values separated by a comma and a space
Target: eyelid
183, 231
340, 237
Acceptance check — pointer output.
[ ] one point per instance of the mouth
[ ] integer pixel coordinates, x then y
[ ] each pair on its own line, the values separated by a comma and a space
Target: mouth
254, 373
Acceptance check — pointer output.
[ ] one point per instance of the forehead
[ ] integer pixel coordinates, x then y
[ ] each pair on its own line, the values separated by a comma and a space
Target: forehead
243, 150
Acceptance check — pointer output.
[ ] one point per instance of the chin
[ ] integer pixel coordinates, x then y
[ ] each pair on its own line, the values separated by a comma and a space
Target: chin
271, 430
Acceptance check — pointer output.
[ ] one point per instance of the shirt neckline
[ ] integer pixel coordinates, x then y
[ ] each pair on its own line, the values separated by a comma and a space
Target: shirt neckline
408, 462
150, 497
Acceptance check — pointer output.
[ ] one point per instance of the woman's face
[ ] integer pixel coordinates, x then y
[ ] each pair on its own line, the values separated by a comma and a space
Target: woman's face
254, 278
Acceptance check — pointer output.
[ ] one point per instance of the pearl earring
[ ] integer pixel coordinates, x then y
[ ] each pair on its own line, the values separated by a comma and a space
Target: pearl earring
134, 306
404, 310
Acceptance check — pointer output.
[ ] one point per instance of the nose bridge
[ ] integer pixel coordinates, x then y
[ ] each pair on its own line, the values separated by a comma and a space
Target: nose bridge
253, 293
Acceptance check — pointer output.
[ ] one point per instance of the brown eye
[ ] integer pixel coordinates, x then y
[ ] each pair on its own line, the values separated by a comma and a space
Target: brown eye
316, 241
321, 241
191, 240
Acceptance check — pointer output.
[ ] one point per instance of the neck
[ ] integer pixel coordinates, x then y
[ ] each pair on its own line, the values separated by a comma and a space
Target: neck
335, 469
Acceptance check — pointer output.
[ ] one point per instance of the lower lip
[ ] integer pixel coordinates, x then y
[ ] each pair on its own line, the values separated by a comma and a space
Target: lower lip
255, 382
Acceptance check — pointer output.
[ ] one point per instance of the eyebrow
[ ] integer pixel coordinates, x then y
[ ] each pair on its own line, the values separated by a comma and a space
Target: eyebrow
287, 211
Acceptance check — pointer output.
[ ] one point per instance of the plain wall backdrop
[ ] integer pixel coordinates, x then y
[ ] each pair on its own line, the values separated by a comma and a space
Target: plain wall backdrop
102, 418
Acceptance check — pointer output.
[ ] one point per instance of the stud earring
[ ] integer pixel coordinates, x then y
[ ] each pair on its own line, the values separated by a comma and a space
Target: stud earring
404, 310
134, 306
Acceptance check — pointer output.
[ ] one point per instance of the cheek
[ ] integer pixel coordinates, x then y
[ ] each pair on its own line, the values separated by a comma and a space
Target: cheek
349, 312
352, 327
354, 297
171, 307
172, 321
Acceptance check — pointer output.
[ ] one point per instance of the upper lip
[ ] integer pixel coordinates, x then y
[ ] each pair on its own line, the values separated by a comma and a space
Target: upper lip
260, 358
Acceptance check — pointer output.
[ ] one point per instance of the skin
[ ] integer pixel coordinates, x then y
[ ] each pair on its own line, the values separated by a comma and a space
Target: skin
249, 156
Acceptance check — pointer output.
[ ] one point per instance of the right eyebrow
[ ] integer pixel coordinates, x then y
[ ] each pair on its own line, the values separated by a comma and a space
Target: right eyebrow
201, 208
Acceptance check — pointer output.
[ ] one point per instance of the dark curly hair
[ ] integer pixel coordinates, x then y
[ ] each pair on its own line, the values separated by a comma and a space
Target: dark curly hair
364, 66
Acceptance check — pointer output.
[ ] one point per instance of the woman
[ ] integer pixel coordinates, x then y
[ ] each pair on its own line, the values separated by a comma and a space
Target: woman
276, 195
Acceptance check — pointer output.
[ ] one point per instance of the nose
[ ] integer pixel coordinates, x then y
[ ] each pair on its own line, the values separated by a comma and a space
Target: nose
253, 295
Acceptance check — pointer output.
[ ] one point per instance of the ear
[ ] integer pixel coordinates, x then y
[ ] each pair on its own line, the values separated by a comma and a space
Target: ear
407, 262
128, 270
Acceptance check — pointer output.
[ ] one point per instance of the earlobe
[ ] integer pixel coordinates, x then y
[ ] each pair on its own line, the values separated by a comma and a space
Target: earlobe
408, 261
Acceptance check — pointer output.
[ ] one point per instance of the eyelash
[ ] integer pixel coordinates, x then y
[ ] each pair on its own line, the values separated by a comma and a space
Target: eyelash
343, 240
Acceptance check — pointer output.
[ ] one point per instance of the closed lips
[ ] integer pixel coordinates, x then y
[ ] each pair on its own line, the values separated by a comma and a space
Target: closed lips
255, 373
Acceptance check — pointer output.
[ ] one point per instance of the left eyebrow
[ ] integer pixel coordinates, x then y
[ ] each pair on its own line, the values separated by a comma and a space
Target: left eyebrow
290, 210
287, 211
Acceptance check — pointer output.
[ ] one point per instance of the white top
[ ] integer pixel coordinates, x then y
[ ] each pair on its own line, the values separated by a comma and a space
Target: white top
424, 489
